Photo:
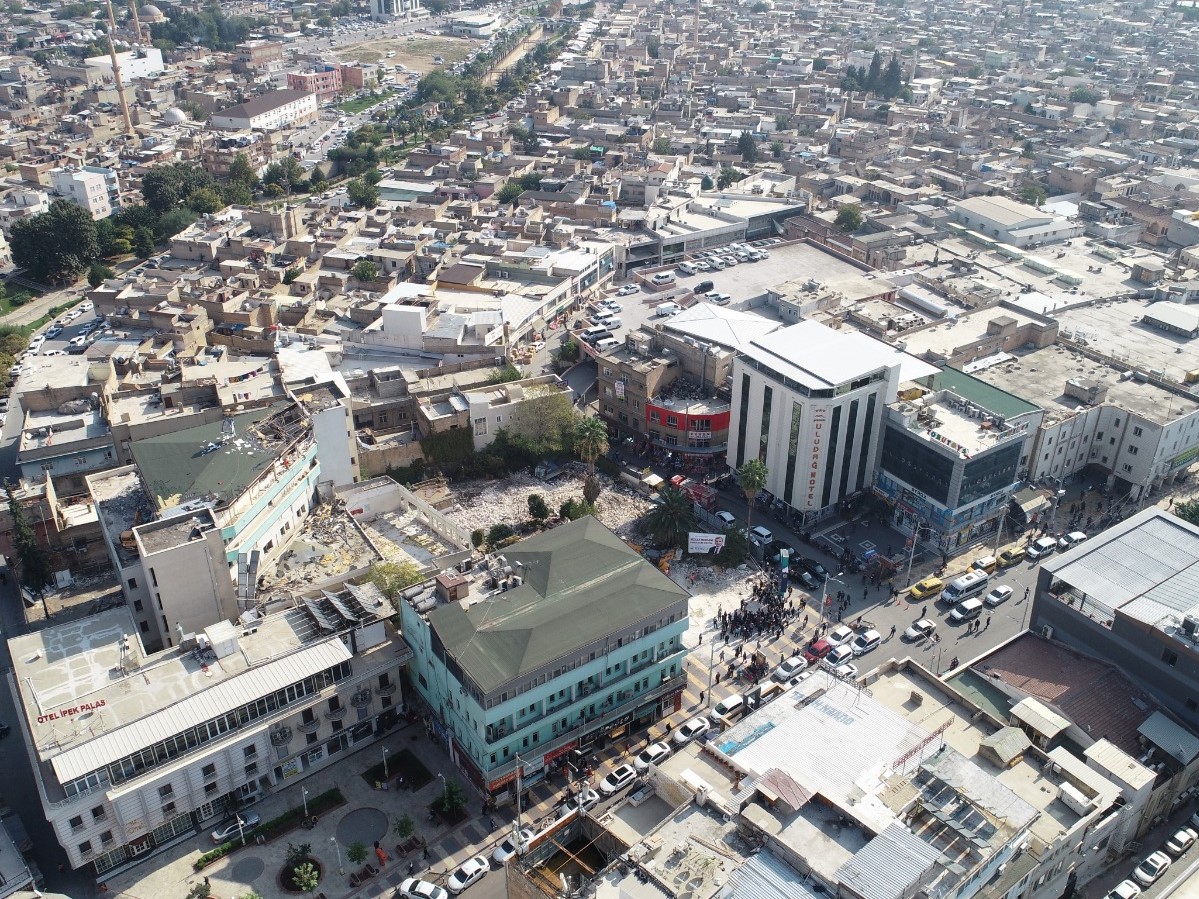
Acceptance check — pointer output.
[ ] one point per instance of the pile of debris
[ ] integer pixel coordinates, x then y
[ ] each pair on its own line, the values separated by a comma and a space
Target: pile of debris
483, 504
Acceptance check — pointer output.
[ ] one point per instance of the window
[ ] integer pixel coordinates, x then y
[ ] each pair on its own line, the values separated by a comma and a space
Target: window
1127, 467
99, 813
106, 837
1138, 431
208, 770
480, 427
132, 583
249, 751
145, 626
310, 738
76, 823
210, 788
1132, 451
655, 416
252, 769
672, 421
85, 848
165, 791
1170, 657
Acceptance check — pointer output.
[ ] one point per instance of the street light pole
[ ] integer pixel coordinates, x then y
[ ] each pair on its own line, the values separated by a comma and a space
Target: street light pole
304, 795
385, 763
340, 867
912, 555
241, 828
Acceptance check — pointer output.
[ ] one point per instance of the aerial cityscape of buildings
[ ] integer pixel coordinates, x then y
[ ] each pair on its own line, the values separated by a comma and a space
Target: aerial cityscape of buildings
620, 448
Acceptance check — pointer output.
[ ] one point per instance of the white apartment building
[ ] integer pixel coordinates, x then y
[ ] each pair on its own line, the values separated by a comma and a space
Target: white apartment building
808, 401
394, 9
267, 112
95, 189
131, 749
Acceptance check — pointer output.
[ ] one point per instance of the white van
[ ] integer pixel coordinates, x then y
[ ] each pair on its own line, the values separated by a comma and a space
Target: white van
726, 709
594, 333
970, 584
607, 344
665, 309
663, 278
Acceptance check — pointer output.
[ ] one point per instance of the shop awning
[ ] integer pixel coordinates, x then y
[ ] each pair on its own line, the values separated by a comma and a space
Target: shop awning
1028, 502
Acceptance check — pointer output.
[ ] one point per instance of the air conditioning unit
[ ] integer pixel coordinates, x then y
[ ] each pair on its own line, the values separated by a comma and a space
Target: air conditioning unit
1047, 631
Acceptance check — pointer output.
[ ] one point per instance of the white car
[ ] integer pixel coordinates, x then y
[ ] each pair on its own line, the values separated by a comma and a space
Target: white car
87, 306
866, 642
619, 778
611, 305
505, 850
840, 635
920, 630
1125, 889
688, 731
1071, 540
1153, 867
628, 290
235, 828
587, 799
1043, 547
414, 888
726, 517
998, 596
1181, 841
471, 871
789, 669
651, 755
848, 671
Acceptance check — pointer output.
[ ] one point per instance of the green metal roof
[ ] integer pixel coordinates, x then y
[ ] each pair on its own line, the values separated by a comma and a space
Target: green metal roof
581, 583
983, 394
194, 462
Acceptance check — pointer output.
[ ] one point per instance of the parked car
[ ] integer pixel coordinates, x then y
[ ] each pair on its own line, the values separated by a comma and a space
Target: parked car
415, 888
1182, 840
837, 656
619, 778
1125, 889
1153, 867
611, 305
817, 651
688, 731
930, 586
651, 755
53, 331
232, 830
1041, 548
920, 630
726, 517
503, 852
814, 568
998, 596
1011, 556
1071, 540
846, 670
840, 635
627, 290
789, 669
719, 299
587, 799
866, 642
967, 610
470, 872
760, 535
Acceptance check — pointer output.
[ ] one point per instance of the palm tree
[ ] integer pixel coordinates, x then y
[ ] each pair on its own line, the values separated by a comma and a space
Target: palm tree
590, 440
671, 517
752, 478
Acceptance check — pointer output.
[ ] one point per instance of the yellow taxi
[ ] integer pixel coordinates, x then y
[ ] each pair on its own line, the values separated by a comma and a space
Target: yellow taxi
930, 586
1011, 556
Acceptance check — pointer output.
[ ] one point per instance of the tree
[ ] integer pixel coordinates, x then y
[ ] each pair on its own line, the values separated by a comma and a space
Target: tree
291, 274
509, 192
653, 45
174, 222
752, 478
1188, 511
59, 243
206, 200
392, 577
873, 79
32, 560
357, 852
1087, 95
736, 547
403, 827
362, 193
591, 489
538, 509
662, 145
776, 149
849, 218
143, 243
306, 877
819, 64
287, 173
671, 518
747, 147
98, 274
892, 83
498, 533
452, 799
1033, 194
590, 440
365, 270
728, 177
166, 187
242, 172
477, 537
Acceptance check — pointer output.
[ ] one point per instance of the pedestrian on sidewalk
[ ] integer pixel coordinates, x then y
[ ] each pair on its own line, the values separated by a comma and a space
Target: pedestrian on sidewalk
988, 624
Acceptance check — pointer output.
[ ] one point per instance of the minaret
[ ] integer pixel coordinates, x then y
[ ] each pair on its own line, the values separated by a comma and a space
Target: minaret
137, 25
116, 70
695, 27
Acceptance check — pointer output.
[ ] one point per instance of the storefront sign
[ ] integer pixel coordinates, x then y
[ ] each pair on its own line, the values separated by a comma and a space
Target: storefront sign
699, 435
554, 754
72, 711
818, 418
290, 768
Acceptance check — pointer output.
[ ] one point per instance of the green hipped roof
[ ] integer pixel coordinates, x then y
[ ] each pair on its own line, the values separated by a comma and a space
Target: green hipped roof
581, 583
989, 397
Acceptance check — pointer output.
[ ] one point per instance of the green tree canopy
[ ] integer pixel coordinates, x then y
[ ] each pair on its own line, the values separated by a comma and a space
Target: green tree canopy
392, 577
98, 274
849, 217
365, 270
241, 171
361, 192
590, 440
56, 244
747, 147
31, 558
671, 518
752, 478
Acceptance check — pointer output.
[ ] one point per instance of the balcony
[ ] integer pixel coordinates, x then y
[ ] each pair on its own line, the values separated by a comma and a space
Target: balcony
337, 714
309, 727
387, 689
361, 699
281, 736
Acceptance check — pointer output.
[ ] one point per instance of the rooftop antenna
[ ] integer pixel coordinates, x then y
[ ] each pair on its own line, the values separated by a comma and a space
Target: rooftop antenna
116, 69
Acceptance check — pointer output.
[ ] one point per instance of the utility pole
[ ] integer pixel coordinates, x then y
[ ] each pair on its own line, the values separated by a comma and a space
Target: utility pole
116, 69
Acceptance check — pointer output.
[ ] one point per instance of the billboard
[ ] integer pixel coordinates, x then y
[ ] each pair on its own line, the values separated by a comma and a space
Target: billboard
705, 544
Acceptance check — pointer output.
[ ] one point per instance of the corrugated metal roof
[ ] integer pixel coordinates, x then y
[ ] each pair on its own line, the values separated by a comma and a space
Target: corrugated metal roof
766, 876
1039, 717
1171, 738
1138, 558
217, 700
889, 865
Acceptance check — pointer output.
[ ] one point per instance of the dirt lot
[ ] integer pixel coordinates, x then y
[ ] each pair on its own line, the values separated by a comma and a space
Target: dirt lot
415, 54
